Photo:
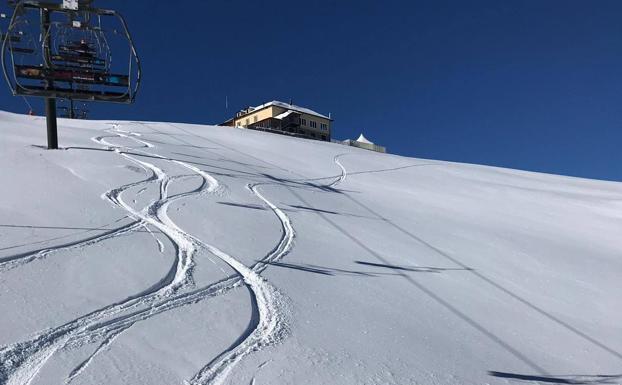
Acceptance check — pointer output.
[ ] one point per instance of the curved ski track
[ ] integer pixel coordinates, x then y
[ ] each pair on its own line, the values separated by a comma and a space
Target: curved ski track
344, 172
17, 260
21, 362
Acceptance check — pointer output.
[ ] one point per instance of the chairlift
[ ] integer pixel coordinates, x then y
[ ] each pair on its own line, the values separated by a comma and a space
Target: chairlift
20, 43
13, 38
16, 38
73, 60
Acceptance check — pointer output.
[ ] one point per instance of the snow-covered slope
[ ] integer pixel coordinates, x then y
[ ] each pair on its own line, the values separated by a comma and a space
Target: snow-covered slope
156, 253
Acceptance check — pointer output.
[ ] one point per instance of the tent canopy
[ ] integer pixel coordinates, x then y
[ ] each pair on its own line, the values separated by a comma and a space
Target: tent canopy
363, 139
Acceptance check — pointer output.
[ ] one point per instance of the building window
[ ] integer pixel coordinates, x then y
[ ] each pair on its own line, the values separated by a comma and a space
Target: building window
312, 124
323, 126
255, 119
303, 122
239, 124
247, 122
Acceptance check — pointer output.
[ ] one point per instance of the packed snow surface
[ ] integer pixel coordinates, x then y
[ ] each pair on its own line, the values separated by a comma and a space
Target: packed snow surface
165, 253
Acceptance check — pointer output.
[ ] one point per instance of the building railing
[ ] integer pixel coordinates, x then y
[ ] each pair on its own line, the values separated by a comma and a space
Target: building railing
366, 146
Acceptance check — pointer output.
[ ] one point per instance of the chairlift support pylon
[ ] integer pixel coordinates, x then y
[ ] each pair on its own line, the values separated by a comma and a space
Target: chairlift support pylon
71, 58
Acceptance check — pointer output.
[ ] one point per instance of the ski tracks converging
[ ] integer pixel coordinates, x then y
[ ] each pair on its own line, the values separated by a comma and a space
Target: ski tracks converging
21, 362
271, 327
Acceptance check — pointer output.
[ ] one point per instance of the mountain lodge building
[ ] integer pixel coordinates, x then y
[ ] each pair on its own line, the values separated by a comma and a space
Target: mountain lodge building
284, 118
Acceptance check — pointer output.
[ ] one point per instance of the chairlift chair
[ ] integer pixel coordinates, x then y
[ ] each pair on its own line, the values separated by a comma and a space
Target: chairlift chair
72, 111
18, 42
74, 59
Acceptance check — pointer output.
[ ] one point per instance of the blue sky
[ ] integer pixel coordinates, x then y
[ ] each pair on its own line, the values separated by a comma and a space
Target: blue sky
527, 84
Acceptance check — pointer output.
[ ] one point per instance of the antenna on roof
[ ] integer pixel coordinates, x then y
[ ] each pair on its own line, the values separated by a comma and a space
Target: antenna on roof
291, 102
226, 102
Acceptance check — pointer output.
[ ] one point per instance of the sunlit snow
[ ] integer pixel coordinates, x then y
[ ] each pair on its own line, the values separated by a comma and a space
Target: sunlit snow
166, 253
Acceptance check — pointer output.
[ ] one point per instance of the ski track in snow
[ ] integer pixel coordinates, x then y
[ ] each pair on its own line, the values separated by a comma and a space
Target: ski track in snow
271, 326
17, 260
440, 253
21, 362
344, 172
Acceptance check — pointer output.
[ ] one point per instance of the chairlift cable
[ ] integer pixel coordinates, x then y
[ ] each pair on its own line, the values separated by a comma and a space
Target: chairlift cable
27, 103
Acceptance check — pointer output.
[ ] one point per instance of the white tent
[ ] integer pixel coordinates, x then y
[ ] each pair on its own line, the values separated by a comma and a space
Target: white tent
363, 142
363, 139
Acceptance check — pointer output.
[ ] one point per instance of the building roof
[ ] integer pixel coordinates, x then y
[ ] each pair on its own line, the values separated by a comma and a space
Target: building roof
285, 114
290, 107
363, 139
